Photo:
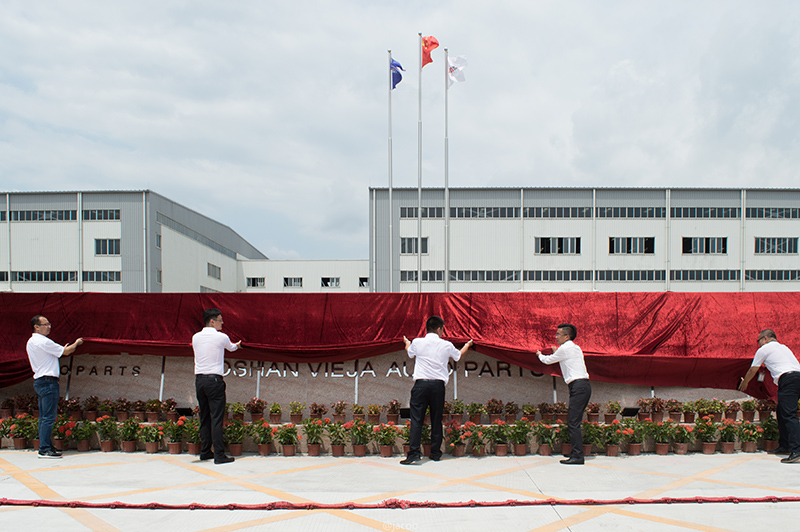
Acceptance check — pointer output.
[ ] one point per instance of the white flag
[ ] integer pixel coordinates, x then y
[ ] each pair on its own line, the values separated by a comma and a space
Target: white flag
455, 69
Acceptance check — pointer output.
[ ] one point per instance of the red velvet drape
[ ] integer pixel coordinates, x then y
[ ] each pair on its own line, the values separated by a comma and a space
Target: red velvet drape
654, 339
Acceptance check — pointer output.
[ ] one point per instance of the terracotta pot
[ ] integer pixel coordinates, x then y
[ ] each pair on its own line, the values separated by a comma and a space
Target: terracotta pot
341, 418
6, 412
314, 449
770, 445
545, 450
138, 414
151, 447
123, 416
275, 418
152, 417
612, 450
475, 419
289, 449
426, 449
337, 450
479, 451
76, 415
427, 419
172, 416
727, 447
406, 448
709, 447
587, 449
717, 417
560, 418
593, 417
83, 446
60, 445
374, 418
264, 449
393, 418
359, 450
688, 417
749, 446
235, 448
634, 449
107, 446
129, 446
91, 415
35, 443
256, 416
359, 416
681, 448
609, 418
457, 417
501, 449
675, 416
236, 415
643, 415
764, 414
566, 449
315, 416
458, 450
193, 448
657, 416
662, 448
386, 451
520, 449
175, 447
748, 415
510, 418
20, 443
296, 418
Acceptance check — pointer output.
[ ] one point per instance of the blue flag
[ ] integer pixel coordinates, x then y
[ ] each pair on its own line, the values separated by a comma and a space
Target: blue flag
396, 75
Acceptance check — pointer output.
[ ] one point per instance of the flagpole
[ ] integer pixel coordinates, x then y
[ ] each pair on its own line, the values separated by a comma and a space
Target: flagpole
446, 181
391, 205
419, 175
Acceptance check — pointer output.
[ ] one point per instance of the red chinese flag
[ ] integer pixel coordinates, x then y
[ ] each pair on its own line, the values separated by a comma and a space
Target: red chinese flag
428, 45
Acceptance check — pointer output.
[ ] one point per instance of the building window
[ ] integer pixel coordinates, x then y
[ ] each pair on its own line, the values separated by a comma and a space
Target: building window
44, 216
704, 275
106, 246
432, 276
101, 214
158, 240
557, 245
363, 282
4, 277
775, 245
330, 282
705, 212
485, 275
3, 218
102, 277
774, 212
630, 275
427, 212
293, 282
255, 282
44, 277
631, 212
214, 271
557, 212
631, 245
698, 245
158, 276
557, 275
772, 275
408, 245
484, 212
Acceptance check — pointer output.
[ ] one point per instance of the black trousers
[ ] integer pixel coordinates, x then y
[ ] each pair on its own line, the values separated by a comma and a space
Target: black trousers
211, 400
424, 394
580, 391
788, 425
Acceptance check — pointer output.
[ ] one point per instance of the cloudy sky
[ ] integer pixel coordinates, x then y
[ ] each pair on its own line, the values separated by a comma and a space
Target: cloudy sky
272, 117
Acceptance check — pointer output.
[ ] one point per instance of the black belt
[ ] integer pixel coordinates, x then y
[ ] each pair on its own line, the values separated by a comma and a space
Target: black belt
207, 375
429, 380
47, 377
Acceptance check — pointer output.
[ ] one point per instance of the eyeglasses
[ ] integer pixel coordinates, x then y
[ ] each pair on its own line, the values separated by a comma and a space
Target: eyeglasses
44, 324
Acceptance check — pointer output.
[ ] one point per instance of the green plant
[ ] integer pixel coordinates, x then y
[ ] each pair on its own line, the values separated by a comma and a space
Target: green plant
458, 407
518, 431
732, 407
770, 426
683, 433
474, 434
106, 405
393, 407
446, 408
661, 431
169, 405
673, 405
612, 407
234, 431
91, 403
360, 431
750, 431
7, 404
318, 409
593, 433
358, 409
138, 406
614, 433
275, 408
64, 405
406, 433
593, 408
425, 433
652, 404
373, 410
529, 411
548, 434
728, 430
287, 434
63, 427
191, 430
511, 408
339, 408
453, 435
474, 409
385, 433
296, 407
705, 428
122, 405
129, 429
261, 432
336, 431
174, 429
497, 432
256, 406
689, 407
749, 405
635, 430
20, 426
153, 405
560, 407
83, 430
106, 428
494, 406
235, 408
767, 404
22, 402
150, 433
314, 429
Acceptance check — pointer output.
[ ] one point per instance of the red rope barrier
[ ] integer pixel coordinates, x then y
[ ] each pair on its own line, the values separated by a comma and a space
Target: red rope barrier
399, 504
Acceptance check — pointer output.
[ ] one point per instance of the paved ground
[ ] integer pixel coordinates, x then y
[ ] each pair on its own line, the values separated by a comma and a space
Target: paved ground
182, 479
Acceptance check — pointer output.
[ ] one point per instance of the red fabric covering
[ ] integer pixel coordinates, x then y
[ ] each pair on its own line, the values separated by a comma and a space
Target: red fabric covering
653, 339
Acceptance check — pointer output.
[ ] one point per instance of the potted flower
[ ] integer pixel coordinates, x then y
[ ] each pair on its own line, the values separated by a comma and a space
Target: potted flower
674, 408
770, 426
151, 435
122, 408
107, 432
454, 438
90, 407
316, 411
174, 432
611, 409
529, 411
593, 435
314, 428
498, 435
22, 403
339, 411
393, 411
682, 436
19, 428
560, 409
386, 436
635, 432
475, 436
287, 436
236, 410
6, 408
494, 407
105, 407
191, 435
511, 410
374, 413
474, 411
446, 412
256, 407
765, 408
718, 406
62, 432
749, 409
689, 411
360, 432
338, 435
72, 407
82, 433
262, 434
728, 431
547, 435
457, 409
749, 433
358, 412
518, 436
296, 411
152, 410
138, 409
233, 433
275, 413
613, 433
593, 412
662, 432
170, 408
705, 430
128, 432
732, 409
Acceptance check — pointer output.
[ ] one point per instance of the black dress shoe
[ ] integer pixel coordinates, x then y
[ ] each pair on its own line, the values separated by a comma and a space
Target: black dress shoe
410, 460
436, 458
792, 458
572, 461
224, 460
779, 450
208, 456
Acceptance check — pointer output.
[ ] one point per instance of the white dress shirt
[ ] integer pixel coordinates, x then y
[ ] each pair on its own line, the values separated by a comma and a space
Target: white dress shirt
570, 359
778, 359
432, 355
209, 351
43, 354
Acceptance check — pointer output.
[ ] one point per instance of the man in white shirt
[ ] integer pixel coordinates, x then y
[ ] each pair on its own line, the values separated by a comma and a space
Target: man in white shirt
209, 347
570, 359
430, 377
43, 354
785, 371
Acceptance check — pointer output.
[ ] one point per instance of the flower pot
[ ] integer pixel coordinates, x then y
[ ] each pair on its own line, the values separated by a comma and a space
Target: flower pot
609, 418
337, 450
764, 414
138, 414
314, 449
457, 417
770, 445
123, 416
520, 449
359, 416
35, 443
501, 449
479, 451
374, 418
566, 449
340, 417
662, 448
130, 446
545, 450
20, 443
152, 417
289, 449
6, 412
748, 415
275, 418
91, 415
406, 448
475, 419
717, 417
709, 447
593, 417
688, 417
256, 416
151, 447
643, 415
657, 416
587, 449
681, 448
426, 449
315, 416
675, 416
393, 418
458, 450
60, 445
612, 450
427, 419
172, 416
749, 446
560, 418
511, 418
107, 446
634, 449
296, 418
83, 446
193, 448
727, 447
175, 447
386, 451
359, 450
264, 449
235, 448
